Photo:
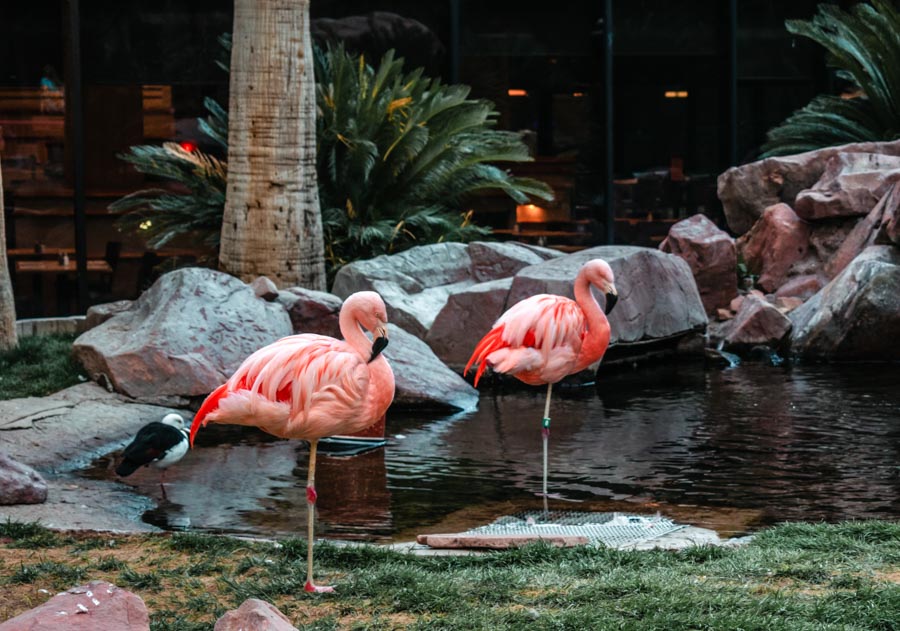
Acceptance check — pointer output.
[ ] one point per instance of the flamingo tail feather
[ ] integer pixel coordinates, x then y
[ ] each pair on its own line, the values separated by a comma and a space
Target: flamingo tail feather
209, 405
489, 343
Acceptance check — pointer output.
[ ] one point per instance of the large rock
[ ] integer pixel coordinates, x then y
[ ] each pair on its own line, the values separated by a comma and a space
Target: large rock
774, 244
422, 380
312, 311
864, 233
416, 283
658, 297
467, 316
19, 483
492, 261
757, 323
747, 190
857, 315
254, 615
97, 606
711, 255
183, 337
851, 185
802, 287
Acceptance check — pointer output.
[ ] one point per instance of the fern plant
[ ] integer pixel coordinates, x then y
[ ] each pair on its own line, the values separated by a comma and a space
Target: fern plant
864, 46
398, 154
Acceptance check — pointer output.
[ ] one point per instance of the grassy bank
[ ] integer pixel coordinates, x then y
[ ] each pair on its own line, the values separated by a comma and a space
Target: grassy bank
38, 366
796, 577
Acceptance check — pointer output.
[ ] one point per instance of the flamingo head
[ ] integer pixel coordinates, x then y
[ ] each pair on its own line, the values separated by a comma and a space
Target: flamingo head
368, 309
600, 275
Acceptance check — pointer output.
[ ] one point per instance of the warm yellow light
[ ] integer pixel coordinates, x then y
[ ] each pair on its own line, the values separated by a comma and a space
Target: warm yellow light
517, 92
144, 225
577, 94
671, 94
682, 94
530, 212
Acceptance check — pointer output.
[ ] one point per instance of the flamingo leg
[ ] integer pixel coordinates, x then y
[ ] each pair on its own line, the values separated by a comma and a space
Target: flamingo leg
162, 484
545, 433
311, 521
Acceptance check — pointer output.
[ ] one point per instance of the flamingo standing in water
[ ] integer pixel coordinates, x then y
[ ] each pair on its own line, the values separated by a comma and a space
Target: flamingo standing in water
311, 386
544, 338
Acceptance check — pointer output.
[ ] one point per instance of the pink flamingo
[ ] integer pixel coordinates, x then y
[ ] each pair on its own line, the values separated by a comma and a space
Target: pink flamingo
541, 339
311, 386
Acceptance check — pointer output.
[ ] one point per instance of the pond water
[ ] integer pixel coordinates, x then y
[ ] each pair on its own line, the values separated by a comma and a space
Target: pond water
731, 449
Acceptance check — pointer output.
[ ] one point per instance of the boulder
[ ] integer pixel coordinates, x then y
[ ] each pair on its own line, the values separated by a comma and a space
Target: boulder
491, 261
183, 337
864, 233
658, 297
422, 380
19, 483
711, 255
857, 315
777, 241
747, 190
757, 323
98, 314
465, 318
254, 615
312, 311
416, 283
802, 287
96, 606
265, 288
851, 185
889, 231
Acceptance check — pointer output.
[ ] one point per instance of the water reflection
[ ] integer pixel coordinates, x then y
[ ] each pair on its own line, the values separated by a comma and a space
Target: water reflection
770, 443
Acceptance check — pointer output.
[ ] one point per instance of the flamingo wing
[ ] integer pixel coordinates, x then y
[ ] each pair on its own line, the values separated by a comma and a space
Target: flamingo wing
537, 340
303, 386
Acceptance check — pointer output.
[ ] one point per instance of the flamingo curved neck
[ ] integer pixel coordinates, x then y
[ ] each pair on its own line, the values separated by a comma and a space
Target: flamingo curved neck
597, 337
353, 333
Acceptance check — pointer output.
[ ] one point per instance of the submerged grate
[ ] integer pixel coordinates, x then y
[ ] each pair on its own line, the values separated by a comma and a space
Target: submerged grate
613, 530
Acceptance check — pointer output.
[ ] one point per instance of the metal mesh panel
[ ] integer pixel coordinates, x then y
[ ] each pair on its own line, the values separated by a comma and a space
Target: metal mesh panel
613, 530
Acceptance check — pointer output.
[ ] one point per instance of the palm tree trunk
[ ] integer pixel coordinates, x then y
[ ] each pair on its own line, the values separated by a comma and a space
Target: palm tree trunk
272, 224
7, 304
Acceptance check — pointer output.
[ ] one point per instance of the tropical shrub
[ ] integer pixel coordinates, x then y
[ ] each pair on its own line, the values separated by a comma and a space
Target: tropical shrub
864, 46
398, 155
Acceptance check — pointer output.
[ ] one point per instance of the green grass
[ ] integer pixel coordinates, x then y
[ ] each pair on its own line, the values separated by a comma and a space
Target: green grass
792, 577
38, 366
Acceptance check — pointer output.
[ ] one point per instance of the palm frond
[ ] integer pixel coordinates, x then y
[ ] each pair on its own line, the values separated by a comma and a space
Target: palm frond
863, 45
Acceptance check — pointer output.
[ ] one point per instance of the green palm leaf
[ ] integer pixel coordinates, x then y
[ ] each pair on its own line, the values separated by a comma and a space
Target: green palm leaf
863, 45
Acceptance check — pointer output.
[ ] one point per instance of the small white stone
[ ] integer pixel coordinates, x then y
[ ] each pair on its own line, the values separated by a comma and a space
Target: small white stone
82, 608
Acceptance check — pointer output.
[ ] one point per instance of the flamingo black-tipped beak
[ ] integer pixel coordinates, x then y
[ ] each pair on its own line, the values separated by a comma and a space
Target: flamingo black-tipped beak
611, 298
379, 343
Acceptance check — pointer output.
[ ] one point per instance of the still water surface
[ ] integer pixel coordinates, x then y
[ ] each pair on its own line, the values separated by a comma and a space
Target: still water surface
734, 450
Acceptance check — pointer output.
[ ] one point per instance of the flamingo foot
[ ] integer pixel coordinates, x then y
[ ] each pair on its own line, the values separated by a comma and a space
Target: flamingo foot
318, 589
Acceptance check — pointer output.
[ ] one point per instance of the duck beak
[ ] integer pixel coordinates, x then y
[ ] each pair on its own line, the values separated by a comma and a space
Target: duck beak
612, 296
380, 342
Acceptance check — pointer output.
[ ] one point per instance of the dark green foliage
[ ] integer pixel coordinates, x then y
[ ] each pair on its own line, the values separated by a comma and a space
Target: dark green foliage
149, 581
208, 544
398, 157
29, 535
862, 44
60, 574
163, 214
38, 366
399, 154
